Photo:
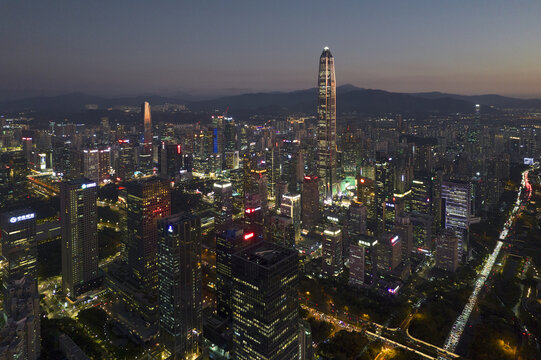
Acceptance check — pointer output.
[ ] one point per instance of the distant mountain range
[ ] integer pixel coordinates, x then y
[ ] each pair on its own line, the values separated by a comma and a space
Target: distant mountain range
350, 99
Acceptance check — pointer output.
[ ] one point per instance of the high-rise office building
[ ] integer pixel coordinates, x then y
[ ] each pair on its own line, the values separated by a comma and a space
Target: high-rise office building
389, 211
384, 190
456, 207
332, 251
389, 252
357, 218
306, 349
125, 163
310, 201
326, 126
366, 194
13, 180
75, 164
280, 230
180, 286
265, 303
403, 175
281, 188
259, 186
228, 242
350, 146
447, 250
230, 134
19, 245
79, 223
356, 265
253, 213
232, 160
170, 160
104, 164
291, 207
91, 164
404, 228
145, 159
218, 133
422, 230
362, 256
421, 149
147, 124
223, 205
20, 338
294, 169
148, 200
421, 195
28, 149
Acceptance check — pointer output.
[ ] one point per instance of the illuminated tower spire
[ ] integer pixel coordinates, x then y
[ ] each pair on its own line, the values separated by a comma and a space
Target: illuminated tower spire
326, 126
147, 121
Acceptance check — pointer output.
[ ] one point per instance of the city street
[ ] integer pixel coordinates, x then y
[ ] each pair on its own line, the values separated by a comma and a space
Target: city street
460, 323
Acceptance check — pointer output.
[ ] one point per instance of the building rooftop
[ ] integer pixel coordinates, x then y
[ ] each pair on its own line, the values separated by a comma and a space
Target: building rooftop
266, 254
16, 216
326, 52
81, 181
222, 184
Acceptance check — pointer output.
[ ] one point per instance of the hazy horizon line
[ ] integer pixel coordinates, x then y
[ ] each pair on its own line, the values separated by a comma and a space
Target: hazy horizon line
198, 95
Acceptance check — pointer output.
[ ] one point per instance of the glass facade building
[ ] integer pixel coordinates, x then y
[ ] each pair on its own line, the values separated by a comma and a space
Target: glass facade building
456, 206
79, 223
180, 286
19, 245
148, 200
265, 303
326, 126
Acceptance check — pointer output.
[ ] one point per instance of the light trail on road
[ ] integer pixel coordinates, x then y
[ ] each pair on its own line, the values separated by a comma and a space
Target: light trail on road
375, 335
458, 327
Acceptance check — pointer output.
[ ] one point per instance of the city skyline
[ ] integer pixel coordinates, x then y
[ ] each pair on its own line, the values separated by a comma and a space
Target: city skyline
400, 47
334, 222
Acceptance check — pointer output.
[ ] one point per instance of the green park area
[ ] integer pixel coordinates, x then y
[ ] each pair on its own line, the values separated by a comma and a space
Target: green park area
335, 296
92, 331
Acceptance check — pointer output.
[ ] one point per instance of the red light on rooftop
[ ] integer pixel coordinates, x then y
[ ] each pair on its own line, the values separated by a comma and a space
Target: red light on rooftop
248, 236
362, 181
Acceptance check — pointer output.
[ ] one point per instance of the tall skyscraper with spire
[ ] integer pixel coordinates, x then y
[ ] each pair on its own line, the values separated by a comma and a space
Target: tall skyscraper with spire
326, 126
147, 122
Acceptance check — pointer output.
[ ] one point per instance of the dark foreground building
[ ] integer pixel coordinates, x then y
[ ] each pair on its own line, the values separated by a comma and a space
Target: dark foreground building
265, 303
179, 253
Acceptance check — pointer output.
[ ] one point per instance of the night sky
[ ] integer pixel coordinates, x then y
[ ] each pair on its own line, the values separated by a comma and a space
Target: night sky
228, 47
